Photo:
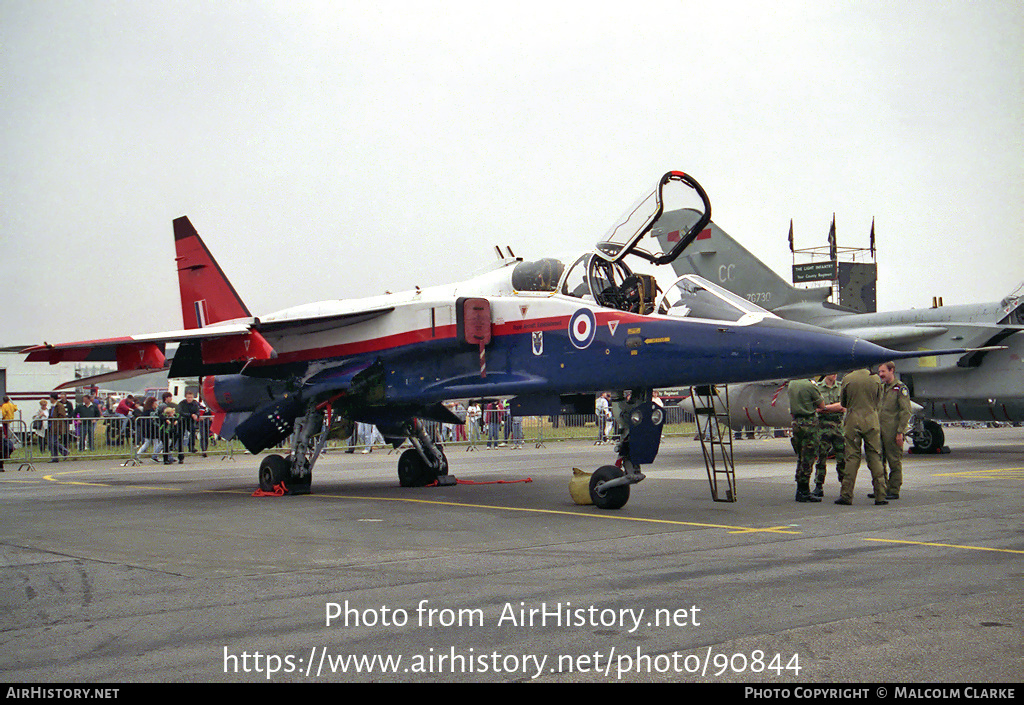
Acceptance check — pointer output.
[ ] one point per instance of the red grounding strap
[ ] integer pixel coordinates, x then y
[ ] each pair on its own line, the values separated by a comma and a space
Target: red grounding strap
279, 491
490, 482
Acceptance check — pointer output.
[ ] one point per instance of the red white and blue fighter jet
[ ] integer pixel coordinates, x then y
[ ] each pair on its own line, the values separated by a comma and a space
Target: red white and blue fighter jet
548, 334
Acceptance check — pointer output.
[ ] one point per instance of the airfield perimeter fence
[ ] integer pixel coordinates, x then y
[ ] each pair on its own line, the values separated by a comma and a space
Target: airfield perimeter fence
133, 439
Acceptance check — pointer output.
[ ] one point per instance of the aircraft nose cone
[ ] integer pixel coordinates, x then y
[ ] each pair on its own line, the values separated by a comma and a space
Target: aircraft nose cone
866, 353
805, 350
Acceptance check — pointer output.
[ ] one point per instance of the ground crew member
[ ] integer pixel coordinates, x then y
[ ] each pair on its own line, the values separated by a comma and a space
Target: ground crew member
860, 394
893, 417
804, 403
830, 432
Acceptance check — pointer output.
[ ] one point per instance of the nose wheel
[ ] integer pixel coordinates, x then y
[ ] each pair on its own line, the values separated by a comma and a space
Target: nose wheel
640, 421
603, 497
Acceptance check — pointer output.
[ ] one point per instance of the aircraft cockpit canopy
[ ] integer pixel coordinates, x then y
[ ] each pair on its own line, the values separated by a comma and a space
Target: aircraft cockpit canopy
590, 278
693, 297
609, 284
540, 275
626, 235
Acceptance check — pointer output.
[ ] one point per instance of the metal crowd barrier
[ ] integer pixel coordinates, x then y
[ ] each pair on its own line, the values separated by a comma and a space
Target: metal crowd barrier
171, 440
16, 444
61, 439
133, 439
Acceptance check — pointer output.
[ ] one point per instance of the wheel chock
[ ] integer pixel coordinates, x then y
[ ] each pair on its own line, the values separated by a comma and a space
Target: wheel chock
579, 487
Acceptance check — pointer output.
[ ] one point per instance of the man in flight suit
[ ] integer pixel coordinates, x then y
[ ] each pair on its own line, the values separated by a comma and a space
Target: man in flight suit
804, 403
860, 393
893, 417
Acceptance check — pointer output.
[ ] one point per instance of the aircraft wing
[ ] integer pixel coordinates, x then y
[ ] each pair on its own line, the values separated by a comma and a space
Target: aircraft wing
956, 333
976, 338
319, 322
889, 335
213, 349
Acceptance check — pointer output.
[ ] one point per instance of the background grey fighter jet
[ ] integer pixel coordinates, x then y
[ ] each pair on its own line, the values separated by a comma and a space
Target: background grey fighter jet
979, 386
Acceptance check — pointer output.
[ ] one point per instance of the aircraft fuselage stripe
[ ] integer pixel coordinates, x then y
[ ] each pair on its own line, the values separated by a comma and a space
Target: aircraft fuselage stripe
440, 333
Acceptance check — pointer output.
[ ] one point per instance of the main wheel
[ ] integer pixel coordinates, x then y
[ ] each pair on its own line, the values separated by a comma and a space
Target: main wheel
412, 470
273, 470
931, 439
616, 497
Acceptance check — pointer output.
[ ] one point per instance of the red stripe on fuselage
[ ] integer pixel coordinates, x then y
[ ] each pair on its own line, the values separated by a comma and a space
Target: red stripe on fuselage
387, 342
426, 335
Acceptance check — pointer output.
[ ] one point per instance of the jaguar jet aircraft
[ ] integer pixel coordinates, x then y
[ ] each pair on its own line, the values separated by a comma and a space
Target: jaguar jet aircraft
984, 384
547, 333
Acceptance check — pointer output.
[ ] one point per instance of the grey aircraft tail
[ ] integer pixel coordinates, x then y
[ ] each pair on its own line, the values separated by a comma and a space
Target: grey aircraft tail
717, 257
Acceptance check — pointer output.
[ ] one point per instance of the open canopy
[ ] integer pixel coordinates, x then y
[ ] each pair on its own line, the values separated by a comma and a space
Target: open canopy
625, 236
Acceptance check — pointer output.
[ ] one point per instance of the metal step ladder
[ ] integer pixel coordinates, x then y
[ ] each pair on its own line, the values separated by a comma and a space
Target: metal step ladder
711, 410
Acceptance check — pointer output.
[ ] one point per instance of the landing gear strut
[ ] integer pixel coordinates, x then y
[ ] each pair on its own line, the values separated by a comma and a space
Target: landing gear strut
641, 421
296, 470
424, 463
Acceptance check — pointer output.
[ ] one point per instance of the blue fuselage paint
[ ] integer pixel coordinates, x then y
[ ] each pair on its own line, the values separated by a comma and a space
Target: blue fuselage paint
663, 353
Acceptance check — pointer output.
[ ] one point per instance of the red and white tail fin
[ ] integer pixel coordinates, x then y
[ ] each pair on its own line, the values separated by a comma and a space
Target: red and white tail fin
206, 294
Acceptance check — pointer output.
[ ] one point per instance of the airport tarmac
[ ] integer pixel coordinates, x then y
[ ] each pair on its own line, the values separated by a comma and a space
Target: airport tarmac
176, 573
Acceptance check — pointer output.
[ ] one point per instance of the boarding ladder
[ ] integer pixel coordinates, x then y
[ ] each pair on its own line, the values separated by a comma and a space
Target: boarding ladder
711, 411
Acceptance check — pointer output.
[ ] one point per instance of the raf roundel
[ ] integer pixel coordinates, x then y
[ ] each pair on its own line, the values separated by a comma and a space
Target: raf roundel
582, 328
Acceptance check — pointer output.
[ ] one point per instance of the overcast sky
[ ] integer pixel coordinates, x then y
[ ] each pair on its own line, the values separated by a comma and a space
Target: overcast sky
340, 149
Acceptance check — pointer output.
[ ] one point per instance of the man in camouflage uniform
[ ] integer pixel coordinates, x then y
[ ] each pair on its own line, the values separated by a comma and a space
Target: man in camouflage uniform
830, 431
860, 393
893, 418
804, 402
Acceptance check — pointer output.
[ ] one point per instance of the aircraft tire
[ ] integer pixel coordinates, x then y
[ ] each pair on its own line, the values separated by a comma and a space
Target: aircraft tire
273, 470
412, 471
931, 439
616, 497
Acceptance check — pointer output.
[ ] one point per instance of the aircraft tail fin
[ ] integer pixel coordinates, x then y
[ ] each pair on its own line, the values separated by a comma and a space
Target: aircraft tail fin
719, 258
206, 294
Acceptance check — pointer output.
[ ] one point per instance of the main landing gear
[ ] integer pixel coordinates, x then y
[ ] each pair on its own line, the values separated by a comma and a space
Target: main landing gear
641, 421
928, 436
296, 469
424, 463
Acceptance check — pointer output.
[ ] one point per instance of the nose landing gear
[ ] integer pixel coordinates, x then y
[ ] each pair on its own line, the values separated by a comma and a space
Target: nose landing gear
641, 421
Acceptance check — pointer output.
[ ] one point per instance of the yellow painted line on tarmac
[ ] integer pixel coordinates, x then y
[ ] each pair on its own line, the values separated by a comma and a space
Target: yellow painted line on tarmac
947, 545
54, 478
669, 522
993, 474
772, 529
614, 517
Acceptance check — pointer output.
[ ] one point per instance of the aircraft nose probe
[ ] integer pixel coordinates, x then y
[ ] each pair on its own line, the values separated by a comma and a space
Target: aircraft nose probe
807, 349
